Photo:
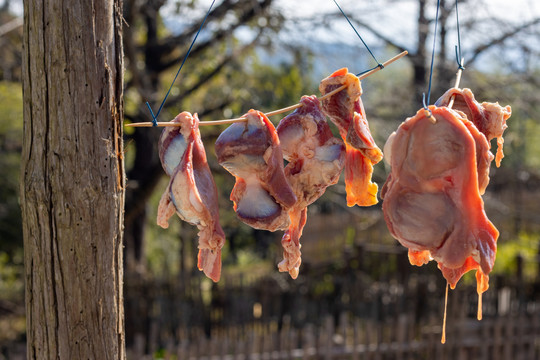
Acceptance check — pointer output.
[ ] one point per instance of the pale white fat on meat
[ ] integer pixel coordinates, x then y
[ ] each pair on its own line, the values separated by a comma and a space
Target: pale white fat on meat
329, 153
256, 201
242, 165
388, 148
195, 200
186, 212
174, 154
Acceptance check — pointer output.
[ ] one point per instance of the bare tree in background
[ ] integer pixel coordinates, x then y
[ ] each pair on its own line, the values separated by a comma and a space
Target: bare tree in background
485, 32
72, 188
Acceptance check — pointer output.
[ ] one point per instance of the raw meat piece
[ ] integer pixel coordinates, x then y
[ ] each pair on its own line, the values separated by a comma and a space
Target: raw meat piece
251, 152
489, 118
346, 110
341, 106
483, 154
292, 256
432, 203
316, 159
484, 157
191, 192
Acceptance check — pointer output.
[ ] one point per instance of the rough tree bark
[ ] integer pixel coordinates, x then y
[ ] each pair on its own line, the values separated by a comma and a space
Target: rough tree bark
72, 188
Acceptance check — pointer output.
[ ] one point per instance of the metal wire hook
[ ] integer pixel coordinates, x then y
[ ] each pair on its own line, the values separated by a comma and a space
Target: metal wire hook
458, 53
427, 110
458, 60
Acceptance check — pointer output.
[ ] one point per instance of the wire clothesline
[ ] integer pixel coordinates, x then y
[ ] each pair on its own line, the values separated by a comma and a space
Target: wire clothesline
456, 84
361, 76
275, 112
460, 61
428, 112
154, 117
360, 37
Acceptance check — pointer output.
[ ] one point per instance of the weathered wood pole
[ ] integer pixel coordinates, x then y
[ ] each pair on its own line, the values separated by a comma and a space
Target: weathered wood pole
72, 178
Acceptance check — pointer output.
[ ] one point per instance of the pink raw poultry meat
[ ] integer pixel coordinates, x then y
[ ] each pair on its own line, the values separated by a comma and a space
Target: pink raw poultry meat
251, 152
316, 159
489, 118
346, 110
191, 192
432, 203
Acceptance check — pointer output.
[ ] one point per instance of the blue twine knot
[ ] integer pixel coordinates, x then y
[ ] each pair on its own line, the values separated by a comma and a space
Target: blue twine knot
380, 66
154, 120
458, 60
424, 103
458, 54
429, 114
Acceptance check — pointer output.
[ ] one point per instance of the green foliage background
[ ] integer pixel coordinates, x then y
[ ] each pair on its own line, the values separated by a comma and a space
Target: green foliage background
11, 119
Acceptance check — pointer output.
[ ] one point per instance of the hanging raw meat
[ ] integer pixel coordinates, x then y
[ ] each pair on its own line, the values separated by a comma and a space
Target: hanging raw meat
432, 204
346, 110
191, 192
316, 159
489, 118
251, 152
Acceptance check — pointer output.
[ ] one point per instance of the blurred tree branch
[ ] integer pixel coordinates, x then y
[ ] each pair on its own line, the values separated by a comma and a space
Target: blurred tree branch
420, 58
490, 43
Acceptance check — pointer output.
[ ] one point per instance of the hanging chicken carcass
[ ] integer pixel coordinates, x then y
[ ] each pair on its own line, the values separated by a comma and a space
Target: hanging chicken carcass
489, 118
191, 192
250, 151
316, 159
346, 110
432, 203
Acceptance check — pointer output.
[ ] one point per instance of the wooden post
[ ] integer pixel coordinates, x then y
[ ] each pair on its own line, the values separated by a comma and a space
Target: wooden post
498, 338
509, 337
356, 336
485, 336
308, 340
72, 179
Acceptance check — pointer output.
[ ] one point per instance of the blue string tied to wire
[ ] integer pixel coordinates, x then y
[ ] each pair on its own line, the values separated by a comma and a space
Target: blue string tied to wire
379, 65
458, 53
458, 59
431, 68
154, 117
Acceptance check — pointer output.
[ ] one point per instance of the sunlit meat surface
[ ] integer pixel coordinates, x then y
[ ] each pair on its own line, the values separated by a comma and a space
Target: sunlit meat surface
432, 203
489, 118
346, 110
484, 157
483, 153
251, 152
316, 159
191, 192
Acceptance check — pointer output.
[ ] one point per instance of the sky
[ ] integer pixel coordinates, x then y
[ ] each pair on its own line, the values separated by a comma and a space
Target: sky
392, 19
514, 9
395, 19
